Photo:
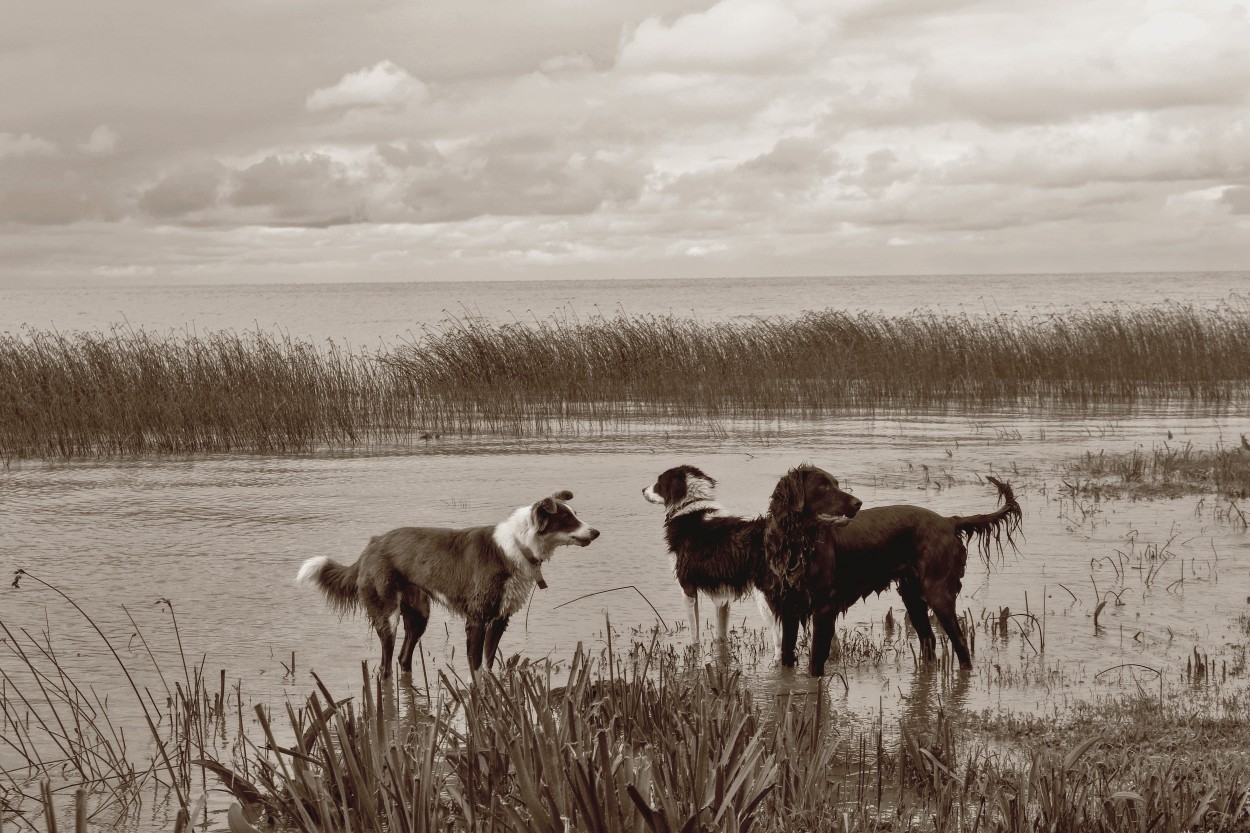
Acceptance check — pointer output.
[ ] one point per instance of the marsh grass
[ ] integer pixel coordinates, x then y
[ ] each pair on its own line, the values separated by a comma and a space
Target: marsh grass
1166, 470
634, 735
128, 392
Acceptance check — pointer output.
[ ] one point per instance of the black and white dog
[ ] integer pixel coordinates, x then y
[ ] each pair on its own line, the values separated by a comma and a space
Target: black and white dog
483, 573
721, 555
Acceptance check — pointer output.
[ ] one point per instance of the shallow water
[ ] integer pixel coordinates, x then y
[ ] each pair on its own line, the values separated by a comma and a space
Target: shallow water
223, 536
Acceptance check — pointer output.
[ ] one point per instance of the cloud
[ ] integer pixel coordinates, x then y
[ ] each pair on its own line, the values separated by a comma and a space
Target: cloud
383, 85
731, 36
736, 134
1011, 67
193, 187
307, 189
1237, 197
14, 146
103, 141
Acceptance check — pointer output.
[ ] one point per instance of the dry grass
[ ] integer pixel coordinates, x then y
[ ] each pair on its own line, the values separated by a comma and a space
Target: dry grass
131, 392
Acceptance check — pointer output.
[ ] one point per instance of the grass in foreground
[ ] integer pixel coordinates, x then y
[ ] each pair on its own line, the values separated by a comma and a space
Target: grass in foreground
128, 392
641, 739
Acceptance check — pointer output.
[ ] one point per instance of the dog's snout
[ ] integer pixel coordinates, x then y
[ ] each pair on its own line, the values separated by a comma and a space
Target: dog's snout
855, 504
594, 533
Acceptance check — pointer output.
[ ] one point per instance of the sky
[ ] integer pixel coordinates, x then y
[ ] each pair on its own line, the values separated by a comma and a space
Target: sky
228, 141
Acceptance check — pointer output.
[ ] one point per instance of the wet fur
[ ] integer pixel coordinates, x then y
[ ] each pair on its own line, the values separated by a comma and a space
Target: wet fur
482, 573
717, 554
819, 573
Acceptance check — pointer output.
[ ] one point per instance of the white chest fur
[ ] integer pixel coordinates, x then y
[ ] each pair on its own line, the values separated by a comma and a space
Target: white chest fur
516, 592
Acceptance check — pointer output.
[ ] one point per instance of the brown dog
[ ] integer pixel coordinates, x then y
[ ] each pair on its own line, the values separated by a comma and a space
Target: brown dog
820, 571
484, 574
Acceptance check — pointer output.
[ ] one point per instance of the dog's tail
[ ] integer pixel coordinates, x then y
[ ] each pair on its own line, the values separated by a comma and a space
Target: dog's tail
989, 530
337, 583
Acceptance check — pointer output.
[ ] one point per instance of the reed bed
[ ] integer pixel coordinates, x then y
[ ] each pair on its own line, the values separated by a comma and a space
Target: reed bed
134, 392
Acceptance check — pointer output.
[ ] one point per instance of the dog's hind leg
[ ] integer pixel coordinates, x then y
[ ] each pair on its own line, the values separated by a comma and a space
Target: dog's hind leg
415, 609
380, 607
692, 612
386, 632
944, 608
494, 631
918, 612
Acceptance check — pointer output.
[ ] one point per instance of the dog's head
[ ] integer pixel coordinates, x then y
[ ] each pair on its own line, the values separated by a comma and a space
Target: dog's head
555, 521
678, 485
804, 499
809, 493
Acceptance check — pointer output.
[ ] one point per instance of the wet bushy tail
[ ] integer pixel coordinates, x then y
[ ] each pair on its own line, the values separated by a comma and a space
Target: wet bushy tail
989, 530
337, 583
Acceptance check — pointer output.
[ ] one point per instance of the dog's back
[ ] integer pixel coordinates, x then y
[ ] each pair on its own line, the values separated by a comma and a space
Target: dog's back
715, 552
458, 568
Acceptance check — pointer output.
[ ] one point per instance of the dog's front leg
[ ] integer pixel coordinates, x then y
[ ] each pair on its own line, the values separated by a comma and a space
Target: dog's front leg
475, 637
772, 625
494, 631
692, 613
822, 639
722, 622
789, 638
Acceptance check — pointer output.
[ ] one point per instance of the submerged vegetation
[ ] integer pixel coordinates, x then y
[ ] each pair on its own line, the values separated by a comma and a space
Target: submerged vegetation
87, 394
638, 737
1167, 469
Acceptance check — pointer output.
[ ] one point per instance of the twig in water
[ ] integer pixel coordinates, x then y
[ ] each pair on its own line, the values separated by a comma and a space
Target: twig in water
614, 589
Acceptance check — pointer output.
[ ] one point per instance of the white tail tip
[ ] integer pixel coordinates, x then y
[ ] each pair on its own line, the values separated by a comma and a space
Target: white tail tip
311, 569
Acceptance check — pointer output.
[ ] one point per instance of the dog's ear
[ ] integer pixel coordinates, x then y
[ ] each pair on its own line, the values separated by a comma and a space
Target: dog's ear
542, 512
773, 539
563, 494
671, 486
790, 495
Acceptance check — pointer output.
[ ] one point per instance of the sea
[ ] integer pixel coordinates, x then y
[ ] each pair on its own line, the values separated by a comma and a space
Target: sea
373, 314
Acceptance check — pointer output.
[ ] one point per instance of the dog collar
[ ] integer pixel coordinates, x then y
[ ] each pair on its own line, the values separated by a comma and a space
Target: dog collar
535, 563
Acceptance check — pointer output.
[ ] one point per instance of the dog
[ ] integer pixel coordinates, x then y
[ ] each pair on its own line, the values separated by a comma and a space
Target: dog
721, 555
819, 571
484, 574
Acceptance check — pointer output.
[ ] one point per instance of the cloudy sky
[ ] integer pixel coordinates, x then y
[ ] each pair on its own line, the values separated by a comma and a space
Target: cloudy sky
331, 140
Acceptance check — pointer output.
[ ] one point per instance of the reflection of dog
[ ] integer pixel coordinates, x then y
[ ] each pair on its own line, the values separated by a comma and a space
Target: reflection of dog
821, 571
718, 554
484, 574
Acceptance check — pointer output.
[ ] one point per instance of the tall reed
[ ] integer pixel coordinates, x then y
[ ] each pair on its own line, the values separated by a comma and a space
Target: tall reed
83, 394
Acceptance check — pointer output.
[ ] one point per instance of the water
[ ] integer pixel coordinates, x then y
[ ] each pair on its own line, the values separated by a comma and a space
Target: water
366, 314
222, 537
215, 541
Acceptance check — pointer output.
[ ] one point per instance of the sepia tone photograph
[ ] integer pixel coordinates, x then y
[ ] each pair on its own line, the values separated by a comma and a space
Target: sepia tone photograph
679, 415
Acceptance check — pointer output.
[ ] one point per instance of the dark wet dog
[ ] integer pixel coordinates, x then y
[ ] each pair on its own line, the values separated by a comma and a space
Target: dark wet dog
820, 571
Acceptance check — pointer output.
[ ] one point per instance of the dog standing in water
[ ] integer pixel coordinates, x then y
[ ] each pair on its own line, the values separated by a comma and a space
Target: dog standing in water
482, 573
721, 555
